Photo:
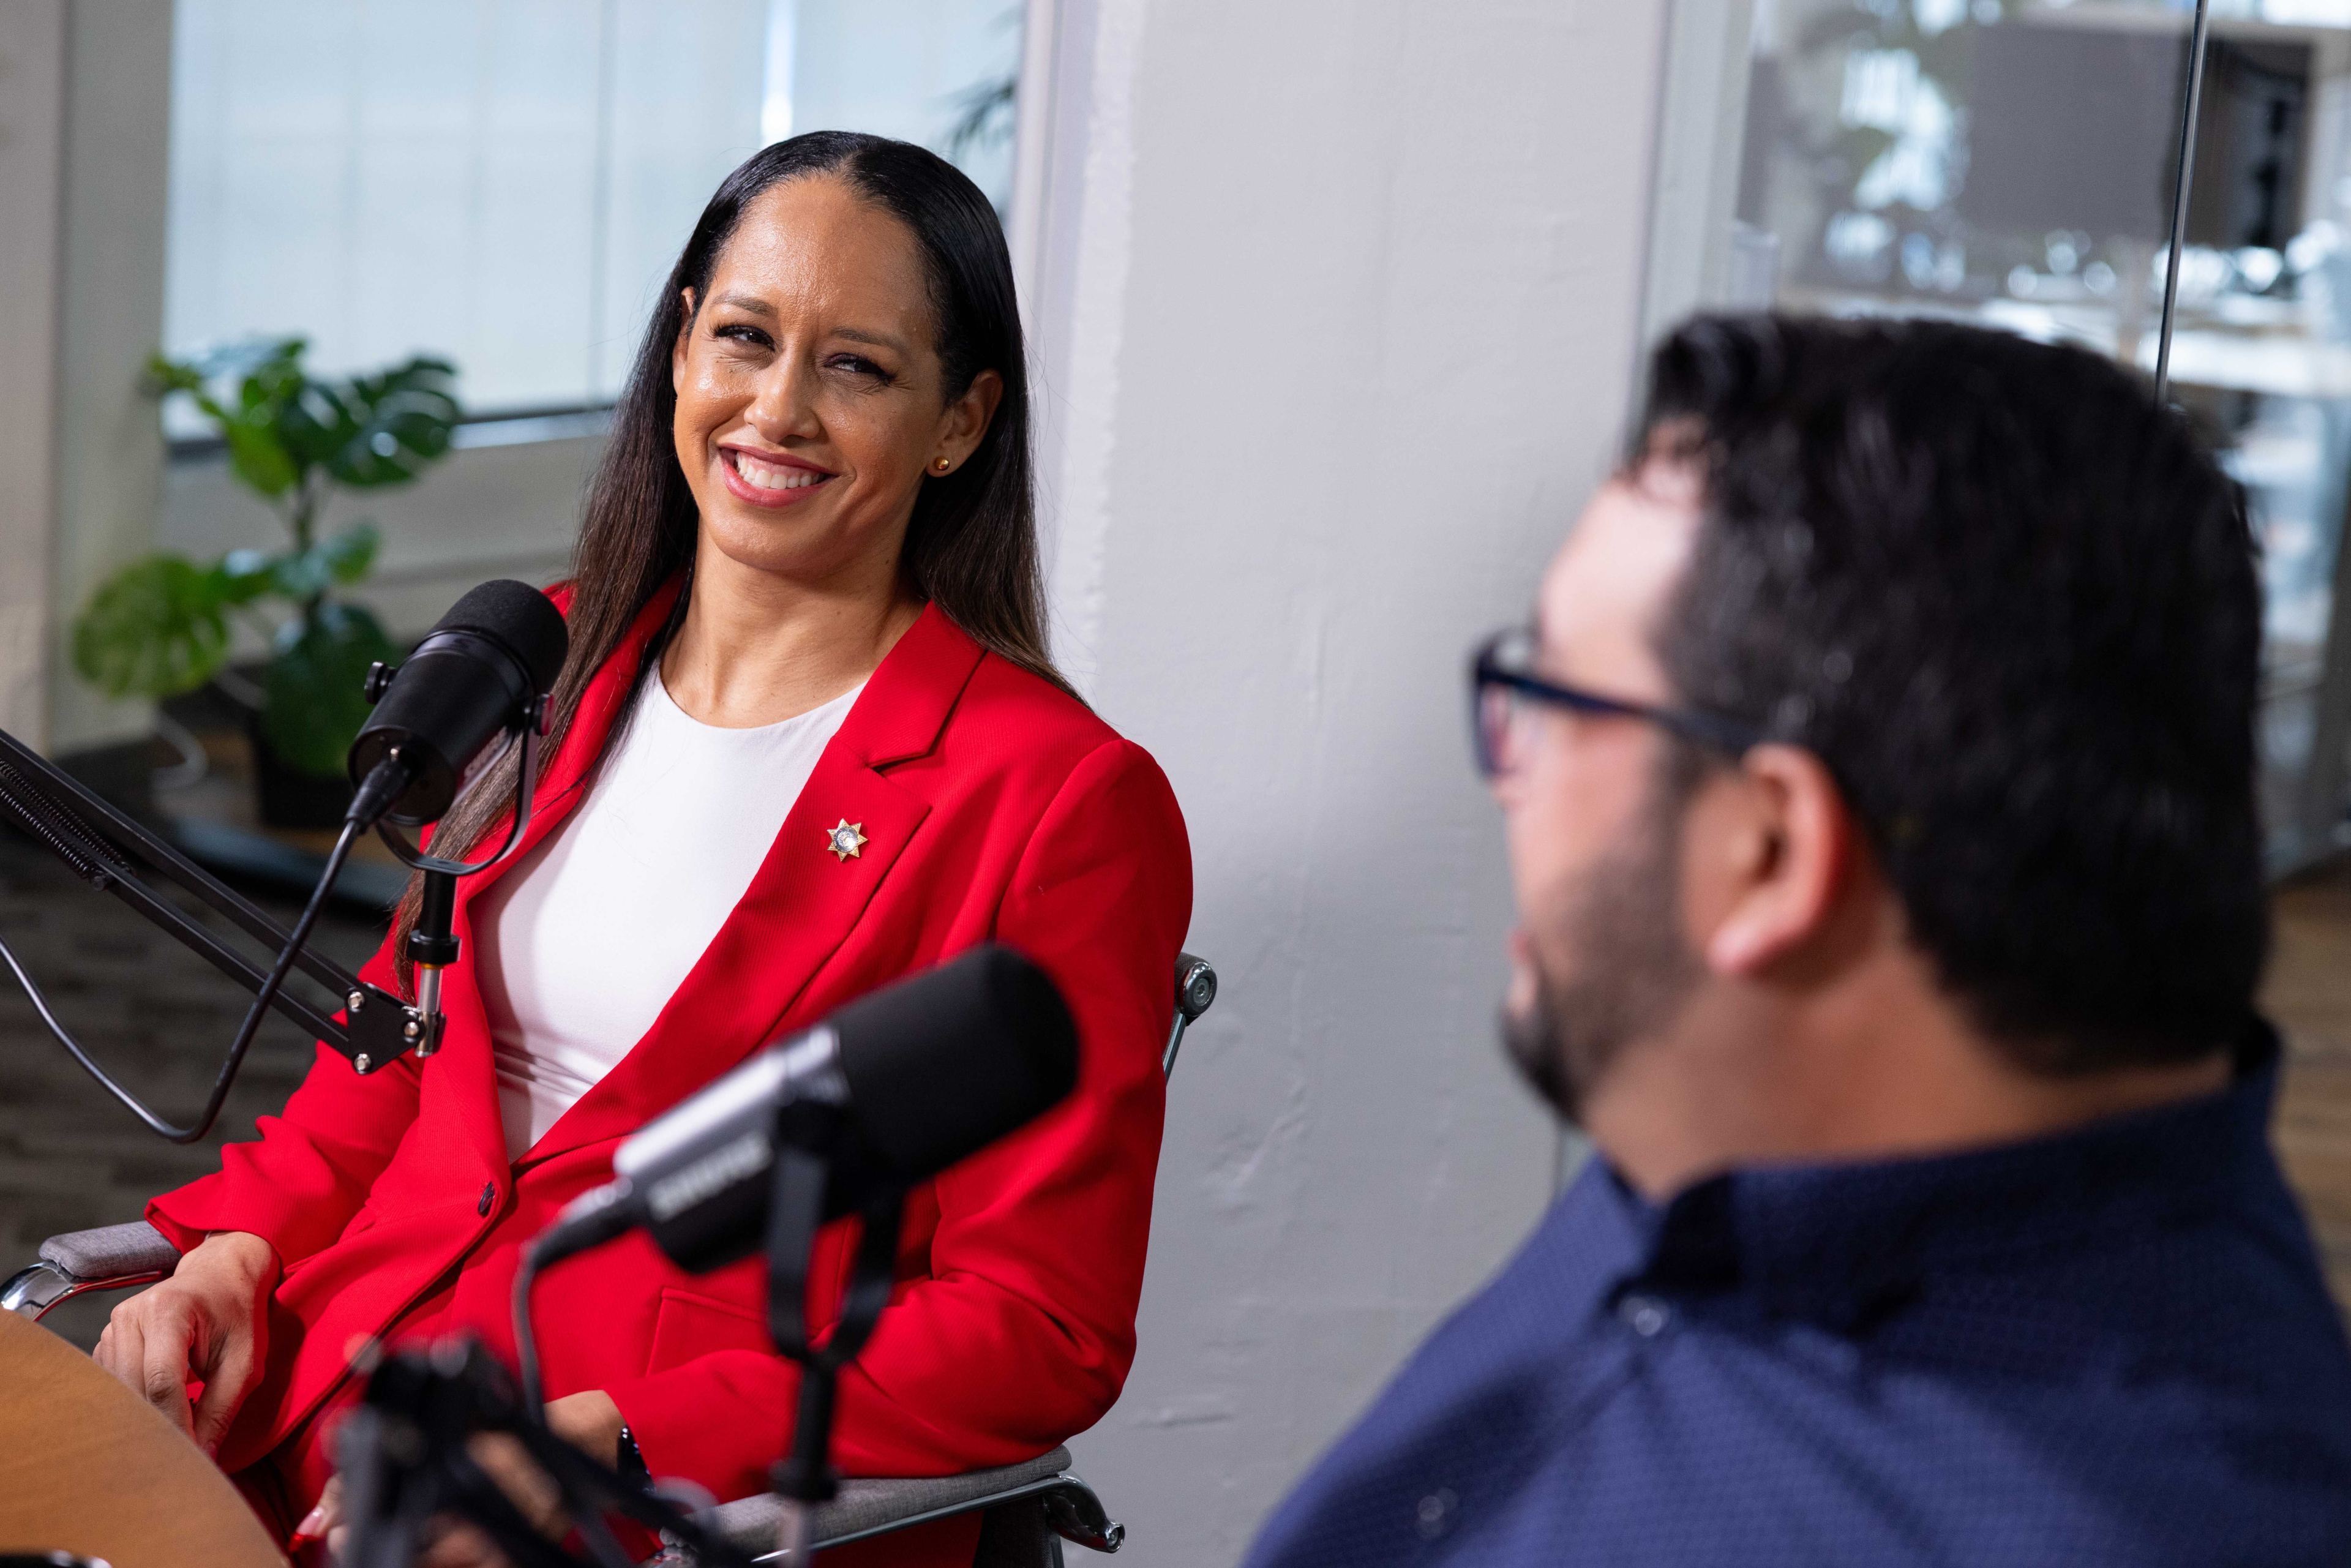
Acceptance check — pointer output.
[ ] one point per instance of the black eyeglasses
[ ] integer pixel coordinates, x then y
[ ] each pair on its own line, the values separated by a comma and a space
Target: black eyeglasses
1502, 684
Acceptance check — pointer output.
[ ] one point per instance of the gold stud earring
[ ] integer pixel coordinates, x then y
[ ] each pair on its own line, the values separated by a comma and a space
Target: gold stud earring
942, 464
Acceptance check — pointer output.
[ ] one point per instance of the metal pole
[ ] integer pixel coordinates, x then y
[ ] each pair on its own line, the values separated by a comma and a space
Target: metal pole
2179, 198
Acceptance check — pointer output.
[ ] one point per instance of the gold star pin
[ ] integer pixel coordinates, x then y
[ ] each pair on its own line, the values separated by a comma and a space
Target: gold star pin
845, 838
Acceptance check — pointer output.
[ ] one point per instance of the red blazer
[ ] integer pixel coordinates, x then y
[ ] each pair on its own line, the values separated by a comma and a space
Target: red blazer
995, 808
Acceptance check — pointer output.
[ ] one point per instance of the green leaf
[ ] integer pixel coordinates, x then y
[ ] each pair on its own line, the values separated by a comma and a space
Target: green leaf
248, 356
244, 389
401, 422
275, 395
166, 376
258, 456
313, 422
246, 575
350, 554
313, 700
300, 575
154, 629
280, 424
303, 575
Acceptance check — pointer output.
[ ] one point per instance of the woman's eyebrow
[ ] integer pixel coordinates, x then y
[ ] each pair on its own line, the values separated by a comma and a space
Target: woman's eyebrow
752, 304
879, 340
749, 304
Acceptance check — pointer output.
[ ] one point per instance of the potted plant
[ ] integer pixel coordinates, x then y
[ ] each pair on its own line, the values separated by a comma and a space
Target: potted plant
161, 625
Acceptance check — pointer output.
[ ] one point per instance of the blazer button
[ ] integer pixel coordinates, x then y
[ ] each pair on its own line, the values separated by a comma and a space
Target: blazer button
490, 1196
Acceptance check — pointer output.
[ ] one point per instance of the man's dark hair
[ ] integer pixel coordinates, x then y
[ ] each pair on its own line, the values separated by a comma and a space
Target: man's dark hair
2009, 600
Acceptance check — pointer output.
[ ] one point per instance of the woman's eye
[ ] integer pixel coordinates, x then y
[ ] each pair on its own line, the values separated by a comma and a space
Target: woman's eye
858, 365
738, 333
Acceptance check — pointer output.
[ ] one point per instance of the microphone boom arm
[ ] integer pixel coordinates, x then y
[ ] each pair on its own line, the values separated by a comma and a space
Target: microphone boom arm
485, 666
97, 843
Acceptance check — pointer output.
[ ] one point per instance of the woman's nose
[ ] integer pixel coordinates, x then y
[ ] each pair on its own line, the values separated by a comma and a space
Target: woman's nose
784, 403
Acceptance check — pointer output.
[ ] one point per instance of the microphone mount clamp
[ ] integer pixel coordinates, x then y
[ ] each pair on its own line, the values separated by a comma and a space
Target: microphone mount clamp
432, 945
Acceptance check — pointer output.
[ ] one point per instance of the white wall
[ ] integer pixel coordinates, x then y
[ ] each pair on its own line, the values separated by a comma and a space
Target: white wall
32, 136
110, 452
1337, 311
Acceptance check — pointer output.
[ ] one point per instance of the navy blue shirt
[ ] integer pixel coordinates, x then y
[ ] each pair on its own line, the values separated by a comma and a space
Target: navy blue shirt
2111, 1346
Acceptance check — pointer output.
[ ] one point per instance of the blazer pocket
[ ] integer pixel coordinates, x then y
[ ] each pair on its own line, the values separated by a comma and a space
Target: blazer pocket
688, 1325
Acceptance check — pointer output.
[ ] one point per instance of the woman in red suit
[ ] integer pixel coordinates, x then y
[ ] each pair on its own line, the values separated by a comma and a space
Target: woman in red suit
808, 740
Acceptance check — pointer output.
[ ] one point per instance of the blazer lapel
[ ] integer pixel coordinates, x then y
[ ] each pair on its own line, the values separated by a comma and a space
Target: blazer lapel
465, 1067
803, 900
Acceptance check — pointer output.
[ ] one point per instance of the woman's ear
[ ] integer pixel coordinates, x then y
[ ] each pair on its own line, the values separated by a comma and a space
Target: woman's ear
677, 348
964, 424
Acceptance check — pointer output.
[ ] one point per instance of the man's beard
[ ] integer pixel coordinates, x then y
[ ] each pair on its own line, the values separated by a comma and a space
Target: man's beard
1632, 965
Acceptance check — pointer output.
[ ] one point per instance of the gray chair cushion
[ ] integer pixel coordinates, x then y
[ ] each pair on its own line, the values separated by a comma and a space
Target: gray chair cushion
865, 1505
111, 1252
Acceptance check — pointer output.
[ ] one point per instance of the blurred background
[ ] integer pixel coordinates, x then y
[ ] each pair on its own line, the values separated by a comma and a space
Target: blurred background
1335, 309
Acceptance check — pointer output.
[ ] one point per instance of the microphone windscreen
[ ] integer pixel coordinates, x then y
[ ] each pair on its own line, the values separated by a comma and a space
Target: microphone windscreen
521, 617
941, 1065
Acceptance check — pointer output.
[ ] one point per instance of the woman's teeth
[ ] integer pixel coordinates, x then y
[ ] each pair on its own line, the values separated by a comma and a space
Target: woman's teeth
773, 475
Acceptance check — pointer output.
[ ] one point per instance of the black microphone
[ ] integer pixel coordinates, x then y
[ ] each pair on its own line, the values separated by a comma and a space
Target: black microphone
912, 1079
482, 671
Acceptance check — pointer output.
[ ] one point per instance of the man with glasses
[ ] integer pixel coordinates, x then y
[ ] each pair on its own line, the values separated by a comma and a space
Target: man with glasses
1878, 777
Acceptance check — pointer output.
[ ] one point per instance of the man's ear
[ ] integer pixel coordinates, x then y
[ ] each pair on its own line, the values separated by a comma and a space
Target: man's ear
1785, 842
677, 348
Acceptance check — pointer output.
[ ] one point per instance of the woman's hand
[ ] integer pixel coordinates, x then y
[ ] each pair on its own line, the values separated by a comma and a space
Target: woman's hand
589, 1422
210, 1321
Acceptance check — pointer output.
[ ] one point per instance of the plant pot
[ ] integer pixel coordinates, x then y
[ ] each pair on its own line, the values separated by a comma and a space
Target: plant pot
288, 798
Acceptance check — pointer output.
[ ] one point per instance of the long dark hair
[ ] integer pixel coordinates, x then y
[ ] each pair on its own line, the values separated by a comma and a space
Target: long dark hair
971, 548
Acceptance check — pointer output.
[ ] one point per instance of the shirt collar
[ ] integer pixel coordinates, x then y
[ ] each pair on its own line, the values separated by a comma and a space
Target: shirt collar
1841, 1244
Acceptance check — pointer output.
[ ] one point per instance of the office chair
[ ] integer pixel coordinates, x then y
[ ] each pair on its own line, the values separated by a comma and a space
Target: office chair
1029, 1509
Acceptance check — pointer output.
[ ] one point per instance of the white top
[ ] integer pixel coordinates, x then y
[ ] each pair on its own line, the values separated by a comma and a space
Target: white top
654, 860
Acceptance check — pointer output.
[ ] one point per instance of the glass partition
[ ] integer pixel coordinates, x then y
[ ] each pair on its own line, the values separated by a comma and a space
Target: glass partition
2012, 162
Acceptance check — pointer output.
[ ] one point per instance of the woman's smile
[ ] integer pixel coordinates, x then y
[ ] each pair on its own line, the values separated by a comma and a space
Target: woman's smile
769, 478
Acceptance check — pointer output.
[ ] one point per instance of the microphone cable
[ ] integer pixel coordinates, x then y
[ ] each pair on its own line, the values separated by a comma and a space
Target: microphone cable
254, 1015
526, 1341
591, 1220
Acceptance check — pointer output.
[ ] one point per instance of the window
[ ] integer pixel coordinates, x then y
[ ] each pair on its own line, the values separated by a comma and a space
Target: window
940, 72
507, 182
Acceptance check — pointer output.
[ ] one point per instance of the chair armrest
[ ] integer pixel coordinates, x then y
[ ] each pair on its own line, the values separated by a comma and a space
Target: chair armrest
111, 1252
867, 1508
110, 1258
